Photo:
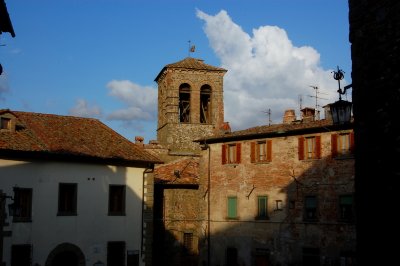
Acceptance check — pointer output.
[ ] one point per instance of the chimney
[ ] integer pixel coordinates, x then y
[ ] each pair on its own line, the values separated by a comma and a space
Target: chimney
139, 140
307, 114
225, 128
289, 116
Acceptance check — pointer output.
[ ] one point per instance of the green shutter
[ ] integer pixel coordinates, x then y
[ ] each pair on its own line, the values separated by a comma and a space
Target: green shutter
232, 207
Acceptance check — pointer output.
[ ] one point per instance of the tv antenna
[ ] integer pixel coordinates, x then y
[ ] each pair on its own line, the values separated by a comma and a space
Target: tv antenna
316, 101
269, 116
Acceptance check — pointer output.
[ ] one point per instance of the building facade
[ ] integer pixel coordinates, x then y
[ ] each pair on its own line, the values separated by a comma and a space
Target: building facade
272, 195
77, 189
282, 195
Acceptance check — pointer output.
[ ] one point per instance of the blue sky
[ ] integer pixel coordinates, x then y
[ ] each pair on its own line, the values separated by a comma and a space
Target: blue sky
99, 58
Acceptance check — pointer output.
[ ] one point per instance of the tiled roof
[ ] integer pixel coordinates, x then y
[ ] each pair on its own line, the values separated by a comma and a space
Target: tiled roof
69, 136
191, 63
180, 172
296, 127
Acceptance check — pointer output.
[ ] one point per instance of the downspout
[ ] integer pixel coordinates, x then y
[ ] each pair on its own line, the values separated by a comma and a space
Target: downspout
208, 209
146, 171
207, 147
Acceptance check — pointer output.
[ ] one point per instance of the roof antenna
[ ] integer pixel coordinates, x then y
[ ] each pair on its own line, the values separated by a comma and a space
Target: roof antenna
192, 48
316, 115
269, 116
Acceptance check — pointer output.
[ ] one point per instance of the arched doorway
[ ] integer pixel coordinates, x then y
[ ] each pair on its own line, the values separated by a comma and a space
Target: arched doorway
66, 254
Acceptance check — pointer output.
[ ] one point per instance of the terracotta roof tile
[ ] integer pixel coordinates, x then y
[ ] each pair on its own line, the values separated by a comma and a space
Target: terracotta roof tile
70, 136
191, 63
183, 171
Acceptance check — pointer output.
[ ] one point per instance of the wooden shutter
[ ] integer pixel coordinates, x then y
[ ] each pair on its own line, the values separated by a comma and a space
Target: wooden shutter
238, 152
334, 150
352, 142
318, 147
301, 148
223, 155
252, 152
269, 150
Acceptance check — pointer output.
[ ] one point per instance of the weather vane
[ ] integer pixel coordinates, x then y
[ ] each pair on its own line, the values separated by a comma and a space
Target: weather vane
339, 75
191, 48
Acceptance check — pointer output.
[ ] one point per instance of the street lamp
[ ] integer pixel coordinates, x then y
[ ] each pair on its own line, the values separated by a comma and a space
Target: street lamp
341, 110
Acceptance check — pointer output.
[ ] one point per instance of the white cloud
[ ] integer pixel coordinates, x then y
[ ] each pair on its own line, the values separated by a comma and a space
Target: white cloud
141, 102
265, 71
82, 109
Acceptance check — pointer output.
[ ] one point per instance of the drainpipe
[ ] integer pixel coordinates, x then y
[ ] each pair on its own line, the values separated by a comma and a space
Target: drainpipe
207, 147
146, 171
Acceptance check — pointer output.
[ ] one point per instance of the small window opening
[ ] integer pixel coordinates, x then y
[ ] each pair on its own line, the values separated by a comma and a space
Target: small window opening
184, 103
205, 104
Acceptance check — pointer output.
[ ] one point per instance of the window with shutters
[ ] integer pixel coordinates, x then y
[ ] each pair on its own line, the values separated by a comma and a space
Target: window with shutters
342, 145
116, 200
231, 153
346, 213
310, 208
261, 151
232, 207
67, 199
309, 148
22, 204
262, 207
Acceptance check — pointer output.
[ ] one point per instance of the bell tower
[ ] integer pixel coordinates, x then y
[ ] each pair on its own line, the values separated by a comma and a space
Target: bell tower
190, 103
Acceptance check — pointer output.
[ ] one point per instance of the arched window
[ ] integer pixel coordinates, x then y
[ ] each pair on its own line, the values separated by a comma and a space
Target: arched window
205, 104
184, 103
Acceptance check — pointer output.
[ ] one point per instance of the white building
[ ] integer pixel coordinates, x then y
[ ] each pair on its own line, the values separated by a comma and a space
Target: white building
78, 192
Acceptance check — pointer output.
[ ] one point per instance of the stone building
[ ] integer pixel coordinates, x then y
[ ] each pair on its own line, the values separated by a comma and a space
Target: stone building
190, 106
282, 194
271, 195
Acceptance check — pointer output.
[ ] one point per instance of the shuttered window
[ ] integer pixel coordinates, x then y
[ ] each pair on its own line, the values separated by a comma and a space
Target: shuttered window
309, 147
231, 153
342, 145
232, 207
261, 151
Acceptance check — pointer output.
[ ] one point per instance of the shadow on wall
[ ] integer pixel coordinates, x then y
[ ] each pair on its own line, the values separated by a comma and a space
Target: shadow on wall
314, 227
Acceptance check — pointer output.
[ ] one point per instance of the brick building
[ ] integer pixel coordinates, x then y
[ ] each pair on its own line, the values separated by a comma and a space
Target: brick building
270, 195
282, 194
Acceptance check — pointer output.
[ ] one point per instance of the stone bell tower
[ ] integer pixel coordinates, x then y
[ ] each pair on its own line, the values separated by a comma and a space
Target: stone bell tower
190, 103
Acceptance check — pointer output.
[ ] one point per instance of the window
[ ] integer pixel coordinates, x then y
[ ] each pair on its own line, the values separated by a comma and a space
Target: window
262, 207
67, 199
5, 123
279, 205
231, 153
231, 256
116, 200
184, 103
310, 208
188, 242
232, 207
309, 148
311, 257
205, 104
116, 253
261, 151
21, 255
346, 208
342, 145
22, 204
